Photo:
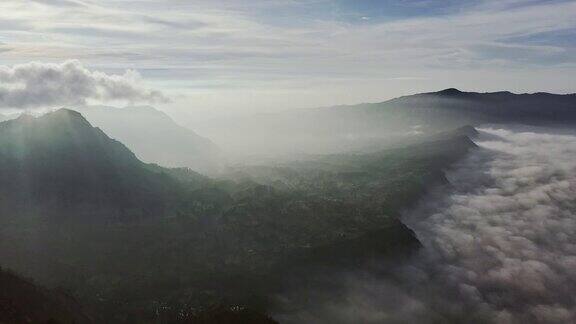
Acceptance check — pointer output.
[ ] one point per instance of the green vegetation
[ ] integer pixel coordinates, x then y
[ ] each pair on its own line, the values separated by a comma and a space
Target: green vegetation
140, 243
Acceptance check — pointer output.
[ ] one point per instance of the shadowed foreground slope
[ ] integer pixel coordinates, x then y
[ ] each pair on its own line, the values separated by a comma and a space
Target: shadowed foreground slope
22, 301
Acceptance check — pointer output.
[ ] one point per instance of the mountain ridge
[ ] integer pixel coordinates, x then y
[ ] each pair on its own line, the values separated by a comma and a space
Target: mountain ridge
59, 161
450, 92
155, 137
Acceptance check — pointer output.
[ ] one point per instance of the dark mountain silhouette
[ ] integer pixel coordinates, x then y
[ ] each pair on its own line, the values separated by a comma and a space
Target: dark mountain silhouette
23, 301
154, 137
59, 164
503, 106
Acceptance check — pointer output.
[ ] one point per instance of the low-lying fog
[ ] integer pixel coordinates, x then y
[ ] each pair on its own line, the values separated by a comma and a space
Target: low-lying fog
499, 244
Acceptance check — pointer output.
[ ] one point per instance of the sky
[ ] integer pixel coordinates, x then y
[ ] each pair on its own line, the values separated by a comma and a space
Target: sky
221, 57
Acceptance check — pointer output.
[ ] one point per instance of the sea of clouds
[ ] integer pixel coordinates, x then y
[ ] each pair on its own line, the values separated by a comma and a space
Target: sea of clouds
499, 243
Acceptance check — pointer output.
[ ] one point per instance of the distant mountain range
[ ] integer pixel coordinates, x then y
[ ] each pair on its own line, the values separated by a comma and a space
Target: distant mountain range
344, 128
154, 137
453, 105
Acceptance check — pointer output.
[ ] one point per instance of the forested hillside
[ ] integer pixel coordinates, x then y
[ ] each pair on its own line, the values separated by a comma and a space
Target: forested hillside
138, 242
23, 301
155, 137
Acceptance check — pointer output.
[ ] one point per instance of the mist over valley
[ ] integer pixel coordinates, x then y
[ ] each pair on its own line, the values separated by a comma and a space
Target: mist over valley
455, 222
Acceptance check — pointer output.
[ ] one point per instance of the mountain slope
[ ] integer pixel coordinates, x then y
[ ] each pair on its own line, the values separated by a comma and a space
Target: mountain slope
59, 164
154, 137
22, 301
453, 104
142, 243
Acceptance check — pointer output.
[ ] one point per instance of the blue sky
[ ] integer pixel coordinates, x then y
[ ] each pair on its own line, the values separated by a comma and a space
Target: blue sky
265, 55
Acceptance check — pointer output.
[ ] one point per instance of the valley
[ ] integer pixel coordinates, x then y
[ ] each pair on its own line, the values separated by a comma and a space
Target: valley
139, 242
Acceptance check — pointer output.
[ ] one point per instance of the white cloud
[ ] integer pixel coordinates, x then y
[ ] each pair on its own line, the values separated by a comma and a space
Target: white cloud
35, 85
502, 242
185, 33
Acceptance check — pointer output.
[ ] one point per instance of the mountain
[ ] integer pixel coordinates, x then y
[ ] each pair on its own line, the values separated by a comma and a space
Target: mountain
58, 164
141, 243
154, 137
493, 107
354, 127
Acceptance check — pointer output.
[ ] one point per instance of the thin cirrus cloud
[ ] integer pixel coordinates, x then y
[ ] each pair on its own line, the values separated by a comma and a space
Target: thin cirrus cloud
259, 27
35, 85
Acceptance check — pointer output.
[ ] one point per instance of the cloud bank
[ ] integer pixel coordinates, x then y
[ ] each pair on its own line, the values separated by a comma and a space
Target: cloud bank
502, 243
499, 245
34, 85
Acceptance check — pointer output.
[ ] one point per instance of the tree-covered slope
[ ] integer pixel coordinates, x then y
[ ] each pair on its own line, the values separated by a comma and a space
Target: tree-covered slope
142, 243
22, 301
60, 165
